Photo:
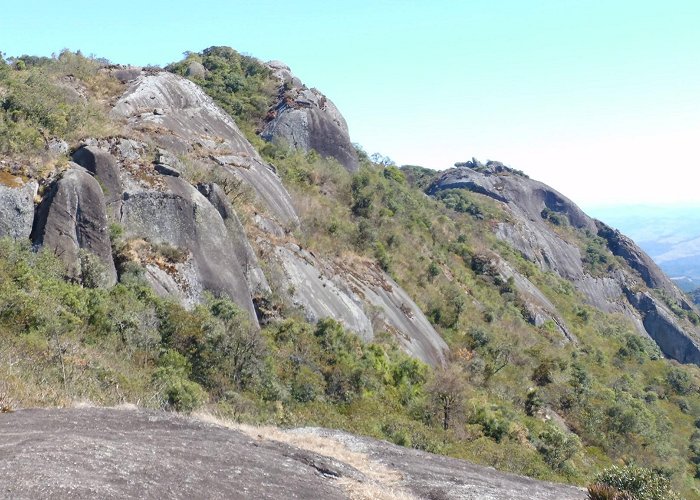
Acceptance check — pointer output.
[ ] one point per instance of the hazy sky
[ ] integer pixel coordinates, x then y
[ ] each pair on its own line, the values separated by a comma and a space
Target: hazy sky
600, 99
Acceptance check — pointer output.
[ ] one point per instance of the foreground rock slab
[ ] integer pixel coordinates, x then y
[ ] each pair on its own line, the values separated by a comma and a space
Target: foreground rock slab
103, 453
129, 453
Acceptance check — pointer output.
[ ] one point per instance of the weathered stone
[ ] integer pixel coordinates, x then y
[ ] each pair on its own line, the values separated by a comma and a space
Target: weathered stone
104, 167
665, 329
192, 118
17, 208
181, 217
125, 74
196, 69
73, 217
305, 119
129, 453
245, 255
530, 202
165, 169
365, 300
57, 146
306, 285
524, 195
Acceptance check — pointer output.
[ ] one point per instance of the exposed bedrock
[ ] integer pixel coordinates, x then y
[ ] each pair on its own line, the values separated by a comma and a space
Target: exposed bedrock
182, 118
528, 231
305, 119
365, 300
183, 218
73, 217
17, 208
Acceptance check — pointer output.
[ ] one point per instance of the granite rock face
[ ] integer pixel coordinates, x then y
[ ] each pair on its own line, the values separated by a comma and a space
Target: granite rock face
530, 231
17, 209
104, 167
305, 119
242, 249
127, 453
665, 329
73, 217
182, 217
364, 298
181, 118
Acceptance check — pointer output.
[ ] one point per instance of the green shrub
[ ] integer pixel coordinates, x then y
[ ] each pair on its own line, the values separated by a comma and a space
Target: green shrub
179, 393
640, 483
557, 446
680, 381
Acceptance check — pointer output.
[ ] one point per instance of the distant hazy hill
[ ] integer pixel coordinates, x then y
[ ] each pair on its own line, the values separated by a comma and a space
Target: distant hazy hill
669, 234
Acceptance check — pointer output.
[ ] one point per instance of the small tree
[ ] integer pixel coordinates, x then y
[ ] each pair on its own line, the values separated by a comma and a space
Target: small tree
447, 394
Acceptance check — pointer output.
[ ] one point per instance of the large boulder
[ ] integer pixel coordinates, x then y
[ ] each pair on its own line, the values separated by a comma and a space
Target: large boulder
17, 208
72, 218
196, 69
182, 218
104, 167
182, 118
305, 119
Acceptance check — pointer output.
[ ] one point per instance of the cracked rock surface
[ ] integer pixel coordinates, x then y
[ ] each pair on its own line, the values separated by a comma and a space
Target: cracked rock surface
129, 453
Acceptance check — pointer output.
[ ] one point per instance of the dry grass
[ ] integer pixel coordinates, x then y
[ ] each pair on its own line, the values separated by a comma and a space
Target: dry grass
383, 482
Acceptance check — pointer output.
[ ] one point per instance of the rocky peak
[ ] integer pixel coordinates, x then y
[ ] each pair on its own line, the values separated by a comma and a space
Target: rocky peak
182, 119
510, 186
305, 119
536, 209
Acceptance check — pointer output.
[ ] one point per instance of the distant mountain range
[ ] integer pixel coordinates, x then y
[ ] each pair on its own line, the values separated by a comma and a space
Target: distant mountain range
669, 234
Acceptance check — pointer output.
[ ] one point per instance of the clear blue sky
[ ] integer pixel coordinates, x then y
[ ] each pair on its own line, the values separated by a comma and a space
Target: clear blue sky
600, 99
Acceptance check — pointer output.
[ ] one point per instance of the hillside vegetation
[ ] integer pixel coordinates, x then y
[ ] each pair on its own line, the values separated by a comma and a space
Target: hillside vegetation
516, 396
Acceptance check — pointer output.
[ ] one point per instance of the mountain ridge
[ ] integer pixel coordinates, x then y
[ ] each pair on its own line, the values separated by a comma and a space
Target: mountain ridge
534, 321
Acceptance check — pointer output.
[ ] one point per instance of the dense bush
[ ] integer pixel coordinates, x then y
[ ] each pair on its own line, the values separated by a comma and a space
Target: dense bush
241, 84
640, 483
37, 102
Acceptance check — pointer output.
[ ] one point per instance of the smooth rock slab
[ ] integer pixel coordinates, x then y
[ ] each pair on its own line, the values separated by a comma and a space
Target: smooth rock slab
128, 453
435, 476
108, 453
182, 217
191, 120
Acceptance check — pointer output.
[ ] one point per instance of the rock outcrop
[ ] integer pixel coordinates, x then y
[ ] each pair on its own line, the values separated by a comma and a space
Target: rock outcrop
305, 119
242, 249
665, 329
364, 298
73, 218
181, 118
181, 217
535, 210
128, 453
17, 208
104, 167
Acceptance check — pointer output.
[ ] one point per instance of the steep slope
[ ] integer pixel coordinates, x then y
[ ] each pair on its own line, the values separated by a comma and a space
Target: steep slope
540, 219
185, 121
542, 308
